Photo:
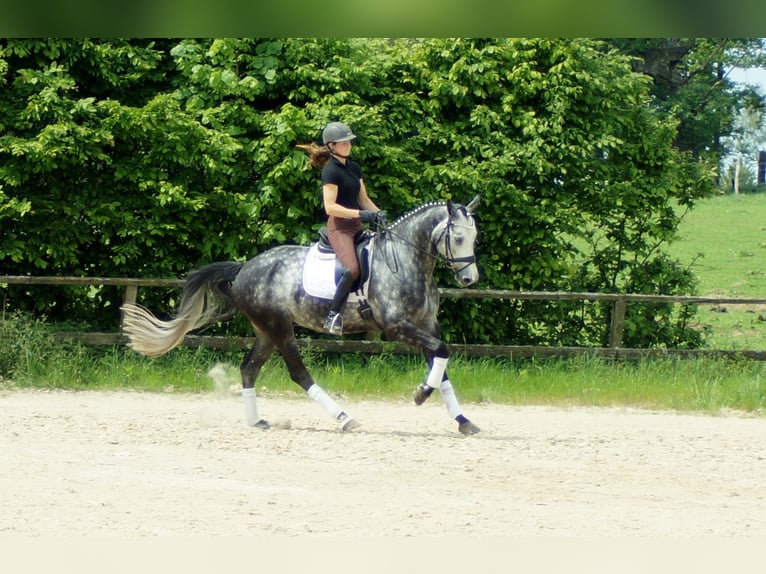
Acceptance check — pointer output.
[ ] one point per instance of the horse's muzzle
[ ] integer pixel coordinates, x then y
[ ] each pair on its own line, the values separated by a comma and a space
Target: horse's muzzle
467, 276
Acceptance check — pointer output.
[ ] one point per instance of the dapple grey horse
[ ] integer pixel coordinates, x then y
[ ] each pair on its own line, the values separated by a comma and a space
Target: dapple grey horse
401, 299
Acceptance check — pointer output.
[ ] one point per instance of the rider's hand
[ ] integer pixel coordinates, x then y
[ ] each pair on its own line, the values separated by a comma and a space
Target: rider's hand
367, 216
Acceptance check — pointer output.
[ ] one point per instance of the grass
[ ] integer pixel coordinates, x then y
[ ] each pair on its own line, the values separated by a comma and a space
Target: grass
724, 241
697, 385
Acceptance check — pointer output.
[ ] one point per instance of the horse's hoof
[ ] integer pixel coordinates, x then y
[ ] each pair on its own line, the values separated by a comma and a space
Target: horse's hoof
350, 425
468, 428
262, 424
422, 393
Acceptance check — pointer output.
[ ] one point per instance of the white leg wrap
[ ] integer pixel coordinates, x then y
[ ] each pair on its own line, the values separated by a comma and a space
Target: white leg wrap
437, 372
326, 401
251, 408
450, 400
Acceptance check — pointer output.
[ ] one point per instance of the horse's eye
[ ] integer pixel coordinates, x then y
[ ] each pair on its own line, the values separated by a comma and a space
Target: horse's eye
459, 240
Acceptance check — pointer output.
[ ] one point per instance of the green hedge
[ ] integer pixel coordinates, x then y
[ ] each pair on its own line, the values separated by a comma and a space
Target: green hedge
144, 158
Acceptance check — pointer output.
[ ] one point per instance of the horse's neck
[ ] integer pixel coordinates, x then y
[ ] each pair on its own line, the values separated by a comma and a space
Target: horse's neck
412, 238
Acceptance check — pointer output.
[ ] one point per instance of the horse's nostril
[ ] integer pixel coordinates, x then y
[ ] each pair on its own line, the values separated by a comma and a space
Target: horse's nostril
467, 280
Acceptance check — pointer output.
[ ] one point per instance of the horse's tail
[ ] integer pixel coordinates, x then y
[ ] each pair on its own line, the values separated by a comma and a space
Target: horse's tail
205, 299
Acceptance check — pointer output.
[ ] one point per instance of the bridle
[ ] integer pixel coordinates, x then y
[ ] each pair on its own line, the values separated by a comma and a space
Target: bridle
452, 261
448, 258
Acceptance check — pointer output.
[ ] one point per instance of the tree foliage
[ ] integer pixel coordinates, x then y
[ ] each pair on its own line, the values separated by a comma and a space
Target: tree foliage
691, 82
150, 158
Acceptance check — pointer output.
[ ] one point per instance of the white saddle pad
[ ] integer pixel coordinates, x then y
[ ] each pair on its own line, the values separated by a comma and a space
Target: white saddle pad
319, 275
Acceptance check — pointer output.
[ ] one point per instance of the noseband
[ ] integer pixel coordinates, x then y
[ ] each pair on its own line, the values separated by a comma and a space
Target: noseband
451, 261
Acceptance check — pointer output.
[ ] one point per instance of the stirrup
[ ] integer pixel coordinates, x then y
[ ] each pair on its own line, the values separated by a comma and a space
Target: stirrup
334, 324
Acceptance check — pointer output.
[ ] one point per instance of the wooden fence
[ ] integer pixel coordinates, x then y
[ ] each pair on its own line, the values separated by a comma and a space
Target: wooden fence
614, 350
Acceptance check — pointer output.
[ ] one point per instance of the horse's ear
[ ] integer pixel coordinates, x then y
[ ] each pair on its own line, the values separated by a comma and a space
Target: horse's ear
471, 207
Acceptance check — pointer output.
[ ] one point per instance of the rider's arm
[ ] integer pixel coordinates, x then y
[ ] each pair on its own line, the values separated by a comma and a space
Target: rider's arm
331, 205
364, 200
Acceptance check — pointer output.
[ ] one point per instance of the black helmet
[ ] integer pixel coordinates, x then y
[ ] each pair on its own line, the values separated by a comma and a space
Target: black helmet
336, 132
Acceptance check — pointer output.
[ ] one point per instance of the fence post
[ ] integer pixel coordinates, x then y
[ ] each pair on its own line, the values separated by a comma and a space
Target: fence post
618, 322
131, 295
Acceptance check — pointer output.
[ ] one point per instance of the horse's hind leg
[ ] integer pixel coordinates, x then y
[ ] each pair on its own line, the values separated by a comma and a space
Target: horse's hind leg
249, 369
299, 373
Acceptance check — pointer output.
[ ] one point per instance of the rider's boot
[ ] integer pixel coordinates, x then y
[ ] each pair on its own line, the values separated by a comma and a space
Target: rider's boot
334, 321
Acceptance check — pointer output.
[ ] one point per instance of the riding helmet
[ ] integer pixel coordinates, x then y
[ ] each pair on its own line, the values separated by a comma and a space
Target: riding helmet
336, 132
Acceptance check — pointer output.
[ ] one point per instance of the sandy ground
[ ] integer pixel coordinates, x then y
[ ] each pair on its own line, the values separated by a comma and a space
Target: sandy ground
122, 464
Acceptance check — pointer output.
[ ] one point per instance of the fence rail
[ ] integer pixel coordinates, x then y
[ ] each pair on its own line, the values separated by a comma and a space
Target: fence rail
615, 349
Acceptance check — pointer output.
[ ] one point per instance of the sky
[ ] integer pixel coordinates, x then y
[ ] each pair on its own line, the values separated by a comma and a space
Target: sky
756, 76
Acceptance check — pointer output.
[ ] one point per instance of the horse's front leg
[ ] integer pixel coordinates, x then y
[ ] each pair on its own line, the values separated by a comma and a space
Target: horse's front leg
437, 356
436, 365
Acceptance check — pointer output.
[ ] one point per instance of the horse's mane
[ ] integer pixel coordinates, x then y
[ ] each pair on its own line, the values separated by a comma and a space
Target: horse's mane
412, 213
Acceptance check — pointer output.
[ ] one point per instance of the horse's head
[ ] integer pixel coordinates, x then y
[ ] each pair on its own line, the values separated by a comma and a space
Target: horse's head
454, 239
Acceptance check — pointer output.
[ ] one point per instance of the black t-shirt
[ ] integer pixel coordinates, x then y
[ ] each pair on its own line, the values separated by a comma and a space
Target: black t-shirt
346, 177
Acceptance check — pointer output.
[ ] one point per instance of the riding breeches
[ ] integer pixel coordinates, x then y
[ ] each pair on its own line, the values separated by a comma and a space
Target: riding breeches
341, 233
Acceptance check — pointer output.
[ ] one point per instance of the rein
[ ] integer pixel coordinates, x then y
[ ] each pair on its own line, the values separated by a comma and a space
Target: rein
448, 259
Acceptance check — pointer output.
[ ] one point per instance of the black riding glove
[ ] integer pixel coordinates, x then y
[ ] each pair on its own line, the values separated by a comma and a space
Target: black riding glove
367, 216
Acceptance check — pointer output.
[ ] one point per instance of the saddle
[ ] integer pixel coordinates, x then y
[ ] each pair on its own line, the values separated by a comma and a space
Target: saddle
361, 243
322, 270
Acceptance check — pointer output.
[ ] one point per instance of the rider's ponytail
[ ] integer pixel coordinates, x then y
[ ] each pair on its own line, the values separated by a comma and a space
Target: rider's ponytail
319, 155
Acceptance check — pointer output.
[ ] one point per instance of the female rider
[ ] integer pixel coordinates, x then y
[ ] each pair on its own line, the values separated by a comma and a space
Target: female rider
347, 206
